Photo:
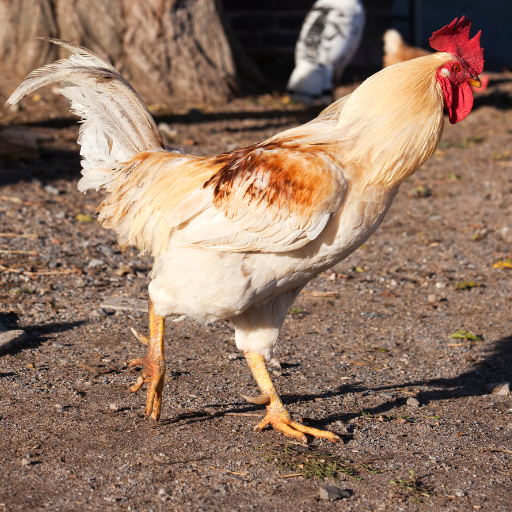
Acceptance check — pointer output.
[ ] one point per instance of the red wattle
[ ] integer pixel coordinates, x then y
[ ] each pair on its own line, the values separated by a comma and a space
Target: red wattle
458, 100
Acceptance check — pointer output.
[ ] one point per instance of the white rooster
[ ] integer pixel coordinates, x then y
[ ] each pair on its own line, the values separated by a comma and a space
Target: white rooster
328, 41
238, 235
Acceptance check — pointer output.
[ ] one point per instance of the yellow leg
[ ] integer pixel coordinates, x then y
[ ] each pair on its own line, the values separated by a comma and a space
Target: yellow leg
153, 365
277, 415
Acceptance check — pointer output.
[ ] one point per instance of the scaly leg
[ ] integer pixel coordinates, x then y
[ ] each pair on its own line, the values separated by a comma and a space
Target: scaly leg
277, 415
153, 365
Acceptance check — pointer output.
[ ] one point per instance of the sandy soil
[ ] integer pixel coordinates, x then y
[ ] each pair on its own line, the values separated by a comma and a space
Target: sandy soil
365, 351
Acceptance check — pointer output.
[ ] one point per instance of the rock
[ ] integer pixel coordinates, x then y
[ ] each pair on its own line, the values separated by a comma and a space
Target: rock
125, 304
500, 389
432, 299
163, 495
275, 363
105, 249
57, 344
99, 313
27, 460
96, 263
331, 493
52, 190
413, 402
115, 407
111, 499
11, 339
459, 494
123, 270
233, 356
167, 131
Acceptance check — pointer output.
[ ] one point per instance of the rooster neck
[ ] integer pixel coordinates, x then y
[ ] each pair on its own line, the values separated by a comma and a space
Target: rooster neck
393, 122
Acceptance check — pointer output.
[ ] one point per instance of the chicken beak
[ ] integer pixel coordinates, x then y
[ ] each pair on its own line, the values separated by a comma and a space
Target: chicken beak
475, 82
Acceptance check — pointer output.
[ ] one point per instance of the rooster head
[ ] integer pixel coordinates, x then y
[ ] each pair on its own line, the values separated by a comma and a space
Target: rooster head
456, 76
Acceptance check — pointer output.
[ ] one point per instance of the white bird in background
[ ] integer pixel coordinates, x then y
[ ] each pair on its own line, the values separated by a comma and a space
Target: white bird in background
329, 39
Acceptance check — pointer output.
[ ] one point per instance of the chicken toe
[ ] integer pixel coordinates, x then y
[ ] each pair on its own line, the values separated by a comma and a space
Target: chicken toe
277, 416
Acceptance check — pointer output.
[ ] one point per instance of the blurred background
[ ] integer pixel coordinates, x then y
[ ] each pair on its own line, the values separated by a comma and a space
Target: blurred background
210, 51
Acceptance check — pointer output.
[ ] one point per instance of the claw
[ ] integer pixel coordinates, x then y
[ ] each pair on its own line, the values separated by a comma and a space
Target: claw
264, 398
143, 339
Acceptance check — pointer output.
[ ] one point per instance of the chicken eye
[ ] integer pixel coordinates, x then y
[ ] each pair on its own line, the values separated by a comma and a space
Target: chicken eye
456, 68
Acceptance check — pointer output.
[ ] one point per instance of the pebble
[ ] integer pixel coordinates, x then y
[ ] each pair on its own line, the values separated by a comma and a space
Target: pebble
413, 402
105, 249
100, 313
125, 304
26, 460
432, 299
96, 263
167, 131
52, 190
115, 407
57, 344
11, 339
331, 493
501, 389
163, 494
459, 494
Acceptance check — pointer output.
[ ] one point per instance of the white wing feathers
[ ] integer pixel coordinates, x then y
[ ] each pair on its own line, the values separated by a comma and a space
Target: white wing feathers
258, 214
116, 123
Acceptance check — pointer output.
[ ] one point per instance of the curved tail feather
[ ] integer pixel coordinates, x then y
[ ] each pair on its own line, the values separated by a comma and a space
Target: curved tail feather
116, 125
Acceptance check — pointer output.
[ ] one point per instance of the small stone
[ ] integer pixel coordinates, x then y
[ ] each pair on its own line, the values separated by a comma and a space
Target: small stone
96, 263
111, 499
123, 270
27, 460
413, 402
389, 396
59, 407
275, 363
57, 344
52, 190
432, 299
167, 131
125, 304
11, 339
500, 389
233, 356
163, 494
115, 407
105, 249
331, 493
459, 494
99, 313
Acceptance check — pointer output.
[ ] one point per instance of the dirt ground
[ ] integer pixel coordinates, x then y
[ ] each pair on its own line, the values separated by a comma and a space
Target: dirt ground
365, 351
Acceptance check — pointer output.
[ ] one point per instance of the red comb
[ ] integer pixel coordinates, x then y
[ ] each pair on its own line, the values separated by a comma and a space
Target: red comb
454, 39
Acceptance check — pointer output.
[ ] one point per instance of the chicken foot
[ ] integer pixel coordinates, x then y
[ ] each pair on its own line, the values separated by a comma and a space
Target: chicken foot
277, 415
153, 365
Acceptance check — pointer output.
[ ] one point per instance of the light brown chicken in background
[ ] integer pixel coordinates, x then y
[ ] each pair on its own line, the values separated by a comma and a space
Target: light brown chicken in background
238, 235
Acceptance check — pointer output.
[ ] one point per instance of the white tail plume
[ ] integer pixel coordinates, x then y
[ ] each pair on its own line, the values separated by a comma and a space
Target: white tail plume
116, 123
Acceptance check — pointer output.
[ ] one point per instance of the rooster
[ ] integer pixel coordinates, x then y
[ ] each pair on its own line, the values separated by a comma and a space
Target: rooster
238, 235
329, 38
